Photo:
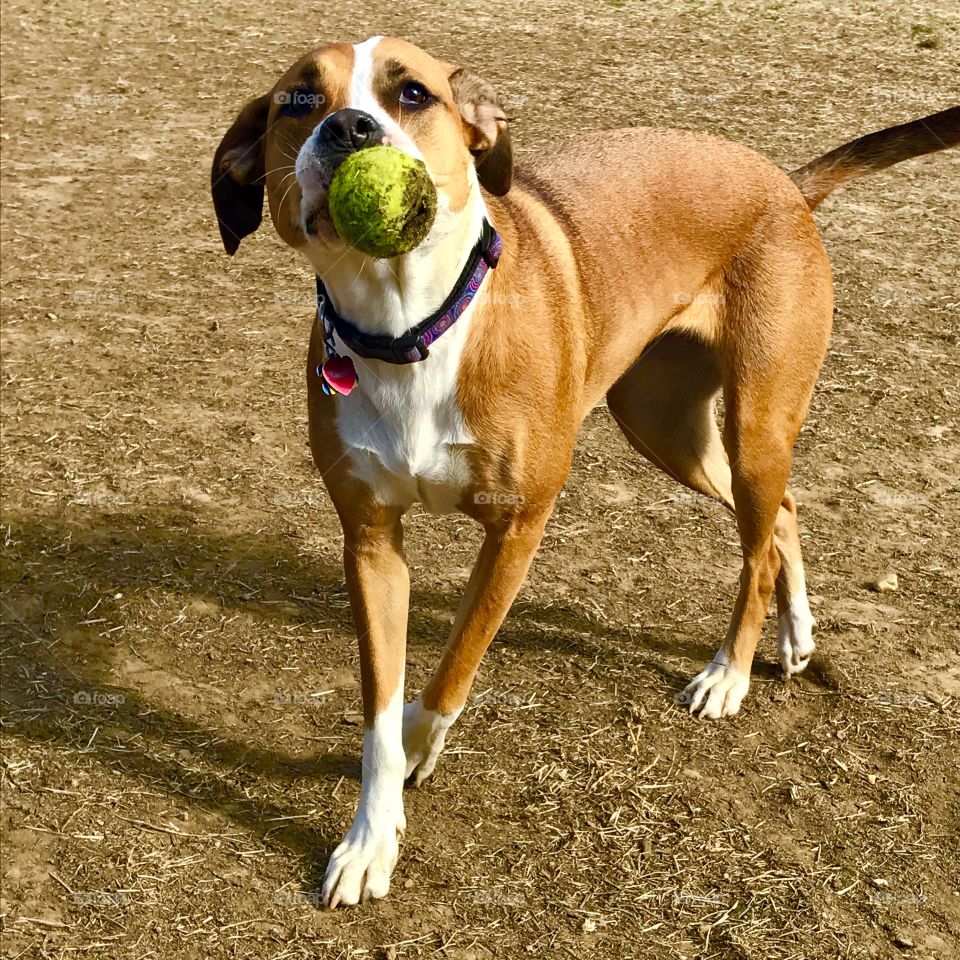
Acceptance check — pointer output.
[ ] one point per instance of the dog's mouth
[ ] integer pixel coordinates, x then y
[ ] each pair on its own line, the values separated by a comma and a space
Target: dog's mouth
318, 222
314, 173
315, 215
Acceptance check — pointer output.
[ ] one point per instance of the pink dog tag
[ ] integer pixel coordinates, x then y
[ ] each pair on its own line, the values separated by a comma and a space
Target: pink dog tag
339, 374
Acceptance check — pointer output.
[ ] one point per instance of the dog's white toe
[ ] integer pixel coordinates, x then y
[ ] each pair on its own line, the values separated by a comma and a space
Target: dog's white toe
716, 691
795, 636
424, 734
360, 867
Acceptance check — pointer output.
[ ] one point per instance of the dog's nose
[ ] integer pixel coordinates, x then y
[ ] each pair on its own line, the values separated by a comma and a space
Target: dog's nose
348, 130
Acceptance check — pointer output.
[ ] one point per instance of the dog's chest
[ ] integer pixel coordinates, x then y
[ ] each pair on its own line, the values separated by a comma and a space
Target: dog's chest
404, 431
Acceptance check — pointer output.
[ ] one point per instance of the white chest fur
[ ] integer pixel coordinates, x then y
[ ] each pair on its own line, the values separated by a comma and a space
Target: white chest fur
403, 428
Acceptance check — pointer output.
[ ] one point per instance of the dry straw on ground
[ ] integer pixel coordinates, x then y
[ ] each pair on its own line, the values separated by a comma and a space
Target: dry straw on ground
181, 746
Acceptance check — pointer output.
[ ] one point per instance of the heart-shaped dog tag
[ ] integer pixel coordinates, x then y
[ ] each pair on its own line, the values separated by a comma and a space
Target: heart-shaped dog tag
339, 374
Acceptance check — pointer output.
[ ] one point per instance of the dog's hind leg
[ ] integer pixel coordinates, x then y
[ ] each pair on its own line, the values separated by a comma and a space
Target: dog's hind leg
665, 406
795, 622
775, 331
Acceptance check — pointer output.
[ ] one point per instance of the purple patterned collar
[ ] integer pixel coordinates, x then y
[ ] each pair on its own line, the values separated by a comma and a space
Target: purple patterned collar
413, 346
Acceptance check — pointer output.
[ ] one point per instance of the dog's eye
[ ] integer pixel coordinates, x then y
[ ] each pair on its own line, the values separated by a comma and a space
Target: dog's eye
298, 102
414, 95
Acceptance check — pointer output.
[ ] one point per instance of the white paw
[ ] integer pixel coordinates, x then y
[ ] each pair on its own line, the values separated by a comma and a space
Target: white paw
360, 867
716, 691
424, 733
795, 636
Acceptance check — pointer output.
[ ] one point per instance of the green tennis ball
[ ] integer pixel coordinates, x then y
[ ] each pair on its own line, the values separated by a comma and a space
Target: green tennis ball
382, 201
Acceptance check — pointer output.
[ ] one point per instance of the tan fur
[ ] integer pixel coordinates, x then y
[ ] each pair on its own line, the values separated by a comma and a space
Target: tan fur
653, 267
713, 245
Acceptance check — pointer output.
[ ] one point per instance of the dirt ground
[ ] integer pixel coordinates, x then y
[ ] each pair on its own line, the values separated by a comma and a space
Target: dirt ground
181, 703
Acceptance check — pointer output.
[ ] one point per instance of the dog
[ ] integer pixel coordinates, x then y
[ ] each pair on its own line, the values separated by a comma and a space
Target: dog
654, 268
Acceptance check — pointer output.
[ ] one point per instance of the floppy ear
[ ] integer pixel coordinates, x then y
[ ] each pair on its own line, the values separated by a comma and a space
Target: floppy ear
236, 180
485, 129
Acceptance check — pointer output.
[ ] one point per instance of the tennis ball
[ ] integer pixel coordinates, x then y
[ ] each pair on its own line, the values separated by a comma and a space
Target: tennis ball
382, 201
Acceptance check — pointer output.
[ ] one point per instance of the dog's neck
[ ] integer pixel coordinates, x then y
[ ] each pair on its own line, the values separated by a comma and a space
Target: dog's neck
388, 297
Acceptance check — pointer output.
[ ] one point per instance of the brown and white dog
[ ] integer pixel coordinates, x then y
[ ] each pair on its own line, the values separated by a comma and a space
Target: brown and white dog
653, 268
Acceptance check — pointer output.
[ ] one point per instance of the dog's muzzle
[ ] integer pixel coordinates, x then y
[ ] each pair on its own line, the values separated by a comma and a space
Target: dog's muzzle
332, 141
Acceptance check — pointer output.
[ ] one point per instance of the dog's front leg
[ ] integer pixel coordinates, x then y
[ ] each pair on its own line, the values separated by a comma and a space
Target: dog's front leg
379, 587
507, 551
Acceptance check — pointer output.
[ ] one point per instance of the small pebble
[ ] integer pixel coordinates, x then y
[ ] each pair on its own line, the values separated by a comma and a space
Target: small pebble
885, 584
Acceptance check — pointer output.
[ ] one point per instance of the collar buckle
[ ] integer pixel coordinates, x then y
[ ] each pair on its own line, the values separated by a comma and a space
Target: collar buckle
396, 353
422, 349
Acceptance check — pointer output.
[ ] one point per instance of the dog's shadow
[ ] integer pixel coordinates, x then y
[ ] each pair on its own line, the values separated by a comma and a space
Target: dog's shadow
54, 573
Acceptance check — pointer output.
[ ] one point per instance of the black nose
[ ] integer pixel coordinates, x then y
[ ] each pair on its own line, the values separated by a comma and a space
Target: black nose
349, 130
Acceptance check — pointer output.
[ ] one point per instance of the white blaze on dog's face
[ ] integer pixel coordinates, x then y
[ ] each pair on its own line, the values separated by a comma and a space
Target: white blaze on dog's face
366, 119
340, 98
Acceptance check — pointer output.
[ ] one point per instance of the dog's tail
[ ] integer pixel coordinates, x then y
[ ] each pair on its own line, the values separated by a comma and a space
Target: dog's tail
877, 151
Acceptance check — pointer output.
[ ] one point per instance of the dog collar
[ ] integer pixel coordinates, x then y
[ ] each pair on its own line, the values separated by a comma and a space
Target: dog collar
338, 373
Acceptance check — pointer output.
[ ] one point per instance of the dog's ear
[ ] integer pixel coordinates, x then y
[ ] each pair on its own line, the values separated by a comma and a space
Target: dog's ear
236, 179
485, 129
